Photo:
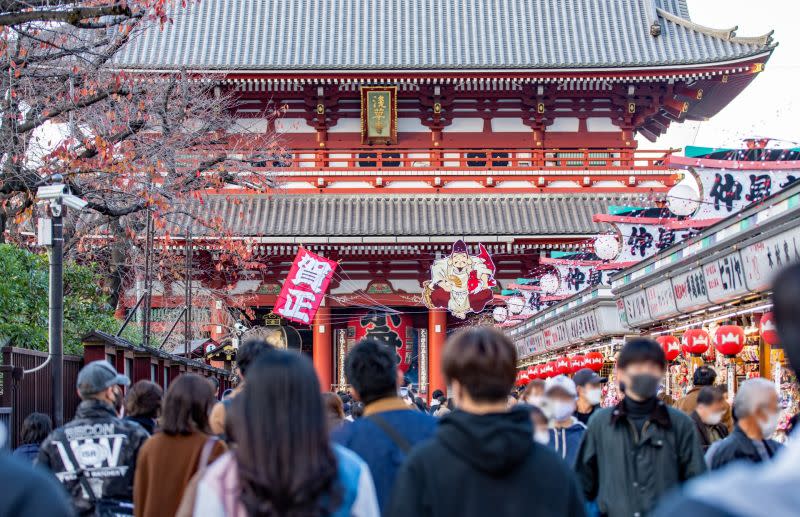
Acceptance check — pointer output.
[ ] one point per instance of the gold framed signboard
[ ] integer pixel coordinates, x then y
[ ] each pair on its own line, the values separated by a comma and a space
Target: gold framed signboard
379, 115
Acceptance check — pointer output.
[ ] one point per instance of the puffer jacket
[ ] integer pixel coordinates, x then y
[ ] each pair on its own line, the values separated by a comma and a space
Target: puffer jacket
97, 451
626, 471
566, 440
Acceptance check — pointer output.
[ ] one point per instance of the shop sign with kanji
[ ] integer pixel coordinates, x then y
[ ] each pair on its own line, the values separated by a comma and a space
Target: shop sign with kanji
305, 287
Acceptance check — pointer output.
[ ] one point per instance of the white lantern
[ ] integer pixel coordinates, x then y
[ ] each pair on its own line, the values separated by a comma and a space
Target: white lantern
549, 283
500, 314
606, 246
684, 199
515, 304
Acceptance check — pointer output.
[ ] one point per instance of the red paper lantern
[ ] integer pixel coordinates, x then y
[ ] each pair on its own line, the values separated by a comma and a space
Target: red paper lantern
594, 360
767, 328
523, 378
578, 362
695, 341
537, 371
729, 340
671, 346
548, 370
531, 372
563, 365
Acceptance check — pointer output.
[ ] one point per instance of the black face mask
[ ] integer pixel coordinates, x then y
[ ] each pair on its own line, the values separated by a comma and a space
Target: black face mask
644, 385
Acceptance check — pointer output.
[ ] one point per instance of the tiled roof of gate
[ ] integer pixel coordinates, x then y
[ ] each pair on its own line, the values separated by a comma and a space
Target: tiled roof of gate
296, 35
389, 215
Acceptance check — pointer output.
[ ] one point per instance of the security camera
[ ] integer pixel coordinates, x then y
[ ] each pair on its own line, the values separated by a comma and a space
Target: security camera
74, 202
52, 191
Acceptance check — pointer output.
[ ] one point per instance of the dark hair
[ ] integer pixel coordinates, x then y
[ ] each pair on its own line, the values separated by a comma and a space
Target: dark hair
187, 405
333, 404
248, 352
214, 383
437, 394
641, 350
421, 405
709, 395
285, 461
372, 370
483, 361
144, 399
357, 410
704, 376
35, 429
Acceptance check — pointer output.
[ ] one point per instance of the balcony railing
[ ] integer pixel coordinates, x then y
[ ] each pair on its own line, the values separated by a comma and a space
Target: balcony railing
296, 162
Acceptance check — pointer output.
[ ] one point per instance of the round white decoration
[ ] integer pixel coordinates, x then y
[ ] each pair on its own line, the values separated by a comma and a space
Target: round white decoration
606, 246
515, 304
500, 314
683, 199
549, 283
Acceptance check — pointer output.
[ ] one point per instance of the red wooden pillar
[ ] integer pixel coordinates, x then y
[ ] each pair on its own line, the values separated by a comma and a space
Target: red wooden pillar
437, 334
323, 347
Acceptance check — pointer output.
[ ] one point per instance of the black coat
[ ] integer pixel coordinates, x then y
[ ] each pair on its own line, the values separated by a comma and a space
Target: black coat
738, 447
627, 473
28, 491
485, 465
703, 432
97, 447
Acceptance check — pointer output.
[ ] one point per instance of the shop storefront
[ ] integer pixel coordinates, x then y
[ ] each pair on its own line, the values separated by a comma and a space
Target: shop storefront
584, 331
707, 299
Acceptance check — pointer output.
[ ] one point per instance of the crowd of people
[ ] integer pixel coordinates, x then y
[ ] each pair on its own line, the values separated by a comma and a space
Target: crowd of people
277, 446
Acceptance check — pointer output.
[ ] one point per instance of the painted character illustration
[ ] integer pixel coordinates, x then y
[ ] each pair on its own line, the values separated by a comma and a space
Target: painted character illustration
461, 283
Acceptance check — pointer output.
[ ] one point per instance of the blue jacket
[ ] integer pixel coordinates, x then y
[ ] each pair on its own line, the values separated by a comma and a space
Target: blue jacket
567, 440
376, 448
27, 452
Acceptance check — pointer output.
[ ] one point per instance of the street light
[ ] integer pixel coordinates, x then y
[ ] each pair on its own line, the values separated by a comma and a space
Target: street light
57, 196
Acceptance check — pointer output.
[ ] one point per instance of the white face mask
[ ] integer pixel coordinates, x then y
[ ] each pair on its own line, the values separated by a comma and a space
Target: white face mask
541, 436
714, 418
594, 396
536, 400
769, 427
561, 409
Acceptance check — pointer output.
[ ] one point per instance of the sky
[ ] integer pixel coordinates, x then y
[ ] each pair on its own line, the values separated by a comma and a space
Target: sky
770, 106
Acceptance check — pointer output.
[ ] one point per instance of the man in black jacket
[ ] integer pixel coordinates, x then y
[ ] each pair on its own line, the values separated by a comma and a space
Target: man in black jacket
708, 415
635, 452
94, 455
757, 412
482, 460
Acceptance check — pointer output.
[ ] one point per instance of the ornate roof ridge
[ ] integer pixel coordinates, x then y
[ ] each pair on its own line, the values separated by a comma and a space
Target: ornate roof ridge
723, 34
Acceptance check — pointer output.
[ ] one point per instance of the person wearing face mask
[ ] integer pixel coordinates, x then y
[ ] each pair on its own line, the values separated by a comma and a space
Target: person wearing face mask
744, 489
756, 408
590, 393
708, 415
94, 455
566, 431
635, 452
534, 394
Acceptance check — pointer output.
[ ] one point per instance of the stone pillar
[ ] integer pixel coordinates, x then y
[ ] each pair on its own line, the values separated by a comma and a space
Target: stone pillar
323, 347
437, 334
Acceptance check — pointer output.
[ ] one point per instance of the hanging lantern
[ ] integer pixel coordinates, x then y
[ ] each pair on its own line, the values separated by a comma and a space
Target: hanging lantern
578, 362
767, 328
500, 314
515, 305
695, 341
531, 372
549, 369
606, 246
516, 382
684, 198
594, 361
549, 283
729, 340
563, 365
523, 378
671, 346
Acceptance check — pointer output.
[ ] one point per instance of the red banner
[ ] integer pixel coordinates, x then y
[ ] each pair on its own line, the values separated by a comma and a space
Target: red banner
305, 287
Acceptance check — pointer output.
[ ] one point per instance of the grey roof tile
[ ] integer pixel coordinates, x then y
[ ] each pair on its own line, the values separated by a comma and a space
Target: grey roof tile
427, 35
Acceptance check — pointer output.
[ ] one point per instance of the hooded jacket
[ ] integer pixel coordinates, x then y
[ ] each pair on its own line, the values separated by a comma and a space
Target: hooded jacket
478, 465
566, 440
96, 450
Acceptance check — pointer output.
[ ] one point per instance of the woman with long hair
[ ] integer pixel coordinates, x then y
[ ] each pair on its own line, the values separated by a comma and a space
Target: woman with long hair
283, 464
168, 460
